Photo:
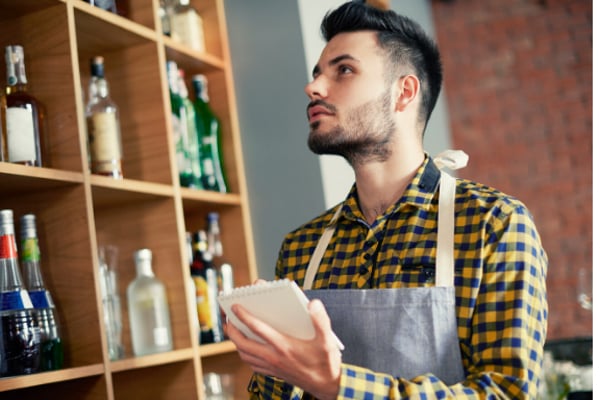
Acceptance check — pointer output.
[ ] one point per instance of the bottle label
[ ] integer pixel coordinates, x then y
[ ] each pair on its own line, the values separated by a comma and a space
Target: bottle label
15, 300
203, 303
8, 247
161, 336
41, 299
105, 147
20, 134
30, 250
187, 27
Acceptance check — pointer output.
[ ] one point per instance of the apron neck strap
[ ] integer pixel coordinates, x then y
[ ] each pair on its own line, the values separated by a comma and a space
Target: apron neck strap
444, 264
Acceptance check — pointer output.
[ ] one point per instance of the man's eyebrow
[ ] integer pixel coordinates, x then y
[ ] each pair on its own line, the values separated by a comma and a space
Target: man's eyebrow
336, 60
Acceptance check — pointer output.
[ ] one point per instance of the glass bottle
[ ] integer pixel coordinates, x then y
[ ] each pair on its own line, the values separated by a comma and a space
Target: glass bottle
108, 5
193, 146
19, 332
205, 279
180, 127
215, 245
52, 355
104, 132
186, 26
23, 127
111, 300
149, 317
213, 174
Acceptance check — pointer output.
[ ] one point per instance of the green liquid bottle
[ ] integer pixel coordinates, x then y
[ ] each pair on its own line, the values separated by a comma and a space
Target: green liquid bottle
52, 354
209, 127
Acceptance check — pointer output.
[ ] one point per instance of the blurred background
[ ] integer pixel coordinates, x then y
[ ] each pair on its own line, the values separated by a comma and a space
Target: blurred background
517, 98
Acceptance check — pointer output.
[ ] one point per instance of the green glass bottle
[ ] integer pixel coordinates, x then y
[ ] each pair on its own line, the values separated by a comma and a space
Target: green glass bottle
179, 119
209, 127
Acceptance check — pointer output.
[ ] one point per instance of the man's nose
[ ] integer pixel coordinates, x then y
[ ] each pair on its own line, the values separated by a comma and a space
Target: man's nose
316, 89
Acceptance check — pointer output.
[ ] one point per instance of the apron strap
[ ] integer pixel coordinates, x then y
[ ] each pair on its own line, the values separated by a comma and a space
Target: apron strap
444, 265
317, 256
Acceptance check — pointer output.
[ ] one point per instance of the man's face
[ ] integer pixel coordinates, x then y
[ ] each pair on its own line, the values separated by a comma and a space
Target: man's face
350, 112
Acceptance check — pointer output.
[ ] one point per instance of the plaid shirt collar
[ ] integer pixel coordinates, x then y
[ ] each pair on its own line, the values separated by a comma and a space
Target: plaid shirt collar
419, 193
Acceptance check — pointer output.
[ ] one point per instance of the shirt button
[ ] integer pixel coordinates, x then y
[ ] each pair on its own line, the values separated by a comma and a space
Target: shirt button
363, 270
367, 256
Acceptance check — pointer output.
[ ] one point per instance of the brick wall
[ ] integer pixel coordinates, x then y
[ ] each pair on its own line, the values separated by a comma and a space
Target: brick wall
518, 82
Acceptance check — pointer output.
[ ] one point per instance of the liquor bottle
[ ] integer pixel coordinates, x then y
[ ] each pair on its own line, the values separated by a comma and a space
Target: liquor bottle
186, 26
104, 132
149, 317
179, 122
206, 283
193, 146
23, 116
213, 234
213, 175
108, 5
165, 11
52, 355
19, 332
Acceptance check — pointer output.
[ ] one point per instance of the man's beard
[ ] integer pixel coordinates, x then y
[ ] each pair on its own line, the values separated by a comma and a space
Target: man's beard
364, 135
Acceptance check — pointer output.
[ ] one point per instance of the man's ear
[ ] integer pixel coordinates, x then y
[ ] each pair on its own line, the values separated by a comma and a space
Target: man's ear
408, 88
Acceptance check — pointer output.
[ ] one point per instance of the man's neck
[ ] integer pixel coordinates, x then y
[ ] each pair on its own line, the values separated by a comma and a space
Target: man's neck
381, 184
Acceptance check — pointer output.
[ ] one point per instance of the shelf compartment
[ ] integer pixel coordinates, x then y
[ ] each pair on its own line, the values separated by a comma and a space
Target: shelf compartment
149, 222
166, 381
86, 388
132, 70
45, 378
44, 35
64, 240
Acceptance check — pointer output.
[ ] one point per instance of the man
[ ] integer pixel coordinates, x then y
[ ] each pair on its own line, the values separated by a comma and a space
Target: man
443, 280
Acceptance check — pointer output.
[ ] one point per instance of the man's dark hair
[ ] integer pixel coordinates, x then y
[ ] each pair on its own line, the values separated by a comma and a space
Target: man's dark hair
404, 41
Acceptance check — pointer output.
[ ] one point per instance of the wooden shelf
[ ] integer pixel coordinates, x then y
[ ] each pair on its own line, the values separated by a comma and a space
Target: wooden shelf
77, 212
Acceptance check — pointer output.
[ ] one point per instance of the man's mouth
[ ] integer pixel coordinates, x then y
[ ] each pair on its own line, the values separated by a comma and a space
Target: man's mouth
318, 109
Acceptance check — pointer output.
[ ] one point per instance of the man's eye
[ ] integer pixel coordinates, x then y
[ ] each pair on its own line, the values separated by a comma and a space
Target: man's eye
344, 69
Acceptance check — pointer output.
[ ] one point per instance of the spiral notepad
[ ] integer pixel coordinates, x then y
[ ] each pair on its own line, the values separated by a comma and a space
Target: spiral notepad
280, 303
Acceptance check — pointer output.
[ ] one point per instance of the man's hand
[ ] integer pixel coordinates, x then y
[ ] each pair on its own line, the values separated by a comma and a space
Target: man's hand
313, 365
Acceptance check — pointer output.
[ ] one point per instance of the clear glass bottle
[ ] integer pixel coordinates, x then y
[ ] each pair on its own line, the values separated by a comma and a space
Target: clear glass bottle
186, 26
149, 318
104, 132
111, 300
22, 115
108, 5
213, 174
52, 353
20, 337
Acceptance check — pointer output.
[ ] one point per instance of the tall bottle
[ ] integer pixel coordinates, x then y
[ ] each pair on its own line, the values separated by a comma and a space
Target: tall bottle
52, 355
179, 120
149, 318
213, 174
104, 132
22, 115
186, 26
193, 145
205, 279
19, 332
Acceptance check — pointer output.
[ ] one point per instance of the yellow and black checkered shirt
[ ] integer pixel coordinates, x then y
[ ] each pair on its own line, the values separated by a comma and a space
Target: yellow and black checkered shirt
500, 275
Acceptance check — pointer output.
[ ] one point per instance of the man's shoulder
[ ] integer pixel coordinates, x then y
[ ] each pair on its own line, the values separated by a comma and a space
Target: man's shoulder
476, 195
315, 226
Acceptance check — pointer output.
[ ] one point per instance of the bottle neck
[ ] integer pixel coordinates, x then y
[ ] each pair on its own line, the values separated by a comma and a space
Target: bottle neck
10, 277
98, 88
30, 256
144, 268
16, 78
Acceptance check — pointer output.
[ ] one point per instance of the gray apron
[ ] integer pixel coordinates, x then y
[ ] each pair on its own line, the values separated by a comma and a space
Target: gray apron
402, 332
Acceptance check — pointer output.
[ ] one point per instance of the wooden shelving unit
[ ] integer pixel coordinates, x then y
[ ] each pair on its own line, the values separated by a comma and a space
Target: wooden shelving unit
77, 211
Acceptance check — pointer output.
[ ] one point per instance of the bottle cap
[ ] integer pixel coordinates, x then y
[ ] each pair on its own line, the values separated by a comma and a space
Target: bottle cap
7, 226
97, 66
28, 229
